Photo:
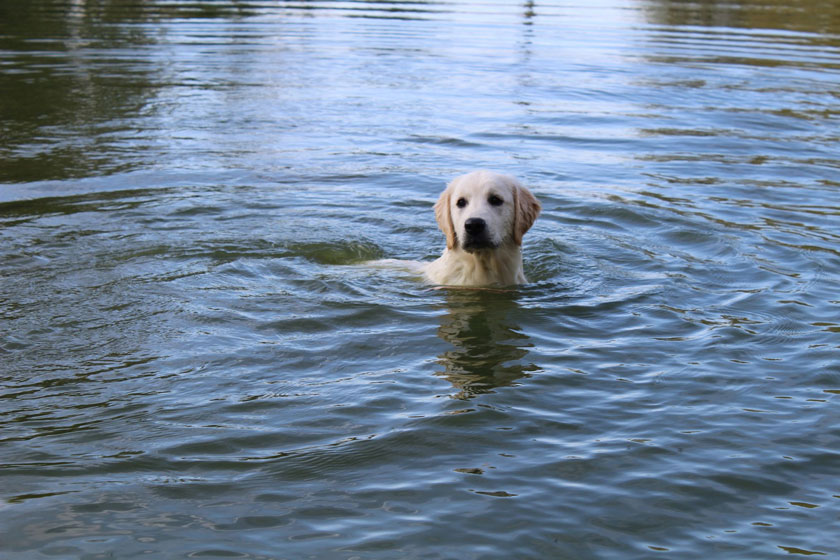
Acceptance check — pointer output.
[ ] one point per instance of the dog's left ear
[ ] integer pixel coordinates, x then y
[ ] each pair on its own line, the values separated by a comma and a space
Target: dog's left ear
443, 215
526, 209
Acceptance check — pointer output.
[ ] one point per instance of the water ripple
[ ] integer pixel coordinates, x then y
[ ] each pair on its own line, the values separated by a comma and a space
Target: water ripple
197, 362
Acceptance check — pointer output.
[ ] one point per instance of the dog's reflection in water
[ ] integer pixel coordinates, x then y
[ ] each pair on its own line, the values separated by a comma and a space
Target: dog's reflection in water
488, 349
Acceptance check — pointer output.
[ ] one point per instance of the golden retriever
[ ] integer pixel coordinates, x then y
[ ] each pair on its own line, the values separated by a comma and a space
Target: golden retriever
484, 216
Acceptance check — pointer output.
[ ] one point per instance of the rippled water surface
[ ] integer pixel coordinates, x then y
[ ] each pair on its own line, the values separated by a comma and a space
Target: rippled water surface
196, 362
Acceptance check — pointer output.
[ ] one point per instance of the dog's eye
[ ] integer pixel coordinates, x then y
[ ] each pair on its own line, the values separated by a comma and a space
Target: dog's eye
461, 202
495, 200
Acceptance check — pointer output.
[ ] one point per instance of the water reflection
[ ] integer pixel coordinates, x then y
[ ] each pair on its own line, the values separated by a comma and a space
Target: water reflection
813, 16
489, 349
99, 88
72, 84
413, 10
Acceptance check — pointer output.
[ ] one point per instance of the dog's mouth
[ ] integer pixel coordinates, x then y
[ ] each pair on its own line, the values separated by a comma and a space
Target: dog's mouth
475, 243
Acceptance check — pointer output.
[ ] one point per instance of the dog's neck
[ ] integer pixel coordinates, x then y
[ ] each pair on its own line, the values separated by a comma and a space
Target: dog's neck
500, 266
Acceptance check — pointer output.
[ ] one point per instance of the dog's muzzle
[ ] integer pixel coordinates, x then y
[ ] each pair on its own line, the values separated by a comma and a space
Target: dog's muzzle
477, 239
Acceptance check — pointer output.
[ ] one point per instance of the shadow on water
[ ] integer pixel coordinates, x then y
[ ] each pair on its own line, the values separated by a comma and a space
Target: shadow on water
489, 349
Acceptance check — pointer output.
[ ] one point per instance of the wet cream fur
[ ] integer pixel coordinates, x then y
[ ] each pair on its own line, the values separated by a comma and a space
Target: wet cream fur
500, 263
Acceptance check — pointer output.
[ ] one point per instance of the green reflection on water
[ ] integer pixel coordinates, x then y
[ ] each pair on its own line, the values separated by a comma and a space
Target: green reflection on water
82, 84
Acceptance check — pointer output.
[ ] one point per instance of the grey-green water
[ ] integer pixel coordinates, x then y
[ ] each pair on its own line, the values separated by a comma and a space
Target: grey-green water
195, 363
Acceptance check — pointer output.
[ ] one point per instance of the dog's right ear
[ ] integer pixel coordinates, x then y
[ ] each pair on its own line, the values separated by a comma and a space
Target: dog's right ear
443, 215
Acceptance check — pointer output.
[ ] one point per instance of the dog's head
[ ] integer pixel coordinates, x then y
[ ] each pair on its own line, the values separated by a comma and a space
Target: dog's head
484, 210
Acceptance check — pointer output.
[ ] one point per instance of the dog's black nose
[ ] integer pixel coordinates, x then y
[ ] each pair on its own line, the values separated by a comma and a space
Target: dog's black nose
475, 226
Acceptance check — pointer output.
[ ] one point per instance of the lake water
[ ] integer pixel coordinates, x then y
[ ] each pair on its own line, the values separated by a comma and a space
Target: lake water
195, 363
